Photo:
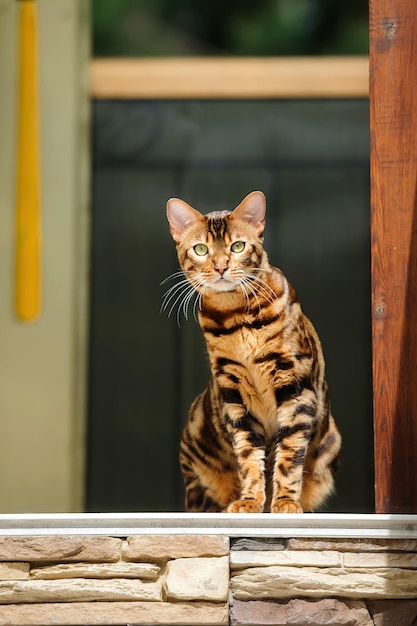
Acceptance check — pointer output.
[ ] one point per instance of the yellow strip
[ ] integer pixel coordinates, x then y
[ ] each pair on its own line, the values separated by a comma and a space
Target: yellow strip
28, 253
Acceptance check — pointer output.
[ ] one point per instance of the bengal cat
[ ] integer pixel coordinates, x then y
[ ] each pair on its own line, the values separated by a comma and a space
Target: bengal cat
261, 437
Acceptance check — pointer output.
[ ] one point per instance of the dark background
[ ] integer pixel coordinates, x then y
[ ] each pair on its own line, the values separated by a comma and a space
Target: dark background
311, 158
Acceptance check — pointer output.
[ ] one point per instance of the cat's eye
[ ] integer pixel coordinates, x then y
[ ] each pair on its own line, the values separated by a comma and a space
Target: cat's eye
201, 249
238, 246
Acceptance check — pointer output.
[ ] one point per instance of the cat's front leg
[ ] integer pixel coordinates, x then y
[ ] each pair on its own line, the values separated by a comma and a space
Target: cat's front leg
290, 454
249, 450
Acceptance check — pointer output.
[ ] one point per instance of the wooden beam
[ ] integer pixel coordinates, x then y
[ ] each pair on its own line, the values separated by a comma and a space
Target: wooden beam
393, 101
328, 77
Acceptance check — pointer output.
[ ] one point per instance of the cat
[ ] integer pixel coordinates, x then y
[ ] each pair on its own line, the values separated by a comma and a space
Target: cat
261, 437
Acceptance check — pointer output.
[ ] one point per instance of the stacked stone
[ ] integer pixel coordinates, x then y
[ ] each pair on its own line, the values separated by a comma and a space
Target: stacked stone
185, 579
106, 580
305, 581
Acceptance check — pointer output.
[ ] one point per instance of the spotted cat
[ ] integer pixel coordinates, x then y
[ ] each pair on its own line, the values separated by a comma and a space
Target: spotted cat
261, 437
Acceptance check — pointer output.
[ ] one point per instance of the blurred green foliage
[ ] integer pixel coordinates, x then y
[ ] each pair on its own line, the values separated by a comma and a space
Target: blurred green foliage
229, 27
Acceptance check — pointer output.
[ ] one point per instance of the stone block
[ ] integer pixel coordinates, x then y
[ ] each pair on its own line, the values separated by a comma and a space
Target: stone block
204, 579
256, 558
267, 543
14, 571
300, 613
156, 548
393, 612
142, 571
406, 560
288, 582
114, 613
60, 549
355, 545
78, 590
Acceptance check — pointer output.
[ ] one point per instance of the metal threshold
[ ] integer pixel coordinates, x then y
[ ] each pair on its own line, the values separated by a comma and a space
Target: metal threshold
313, 525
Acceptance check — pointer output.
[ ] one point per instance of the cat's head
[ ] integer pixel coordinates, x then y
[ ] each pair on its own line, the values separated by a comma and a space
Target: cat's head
223, 250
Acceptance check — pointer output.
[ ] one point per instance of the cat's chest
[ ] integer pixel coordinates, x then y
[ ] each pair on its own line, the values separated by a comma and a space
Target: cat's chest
243, 343
248, 343
243, 353
258, 363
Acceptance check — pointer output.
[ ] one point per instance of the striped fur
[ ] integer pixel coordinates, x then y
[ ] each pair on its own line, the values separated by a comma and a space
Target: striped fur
261, 437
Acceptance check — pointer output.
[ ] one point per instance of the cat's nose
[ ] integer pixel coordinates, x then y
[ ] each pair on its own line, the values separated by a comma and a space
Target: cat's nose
221, 269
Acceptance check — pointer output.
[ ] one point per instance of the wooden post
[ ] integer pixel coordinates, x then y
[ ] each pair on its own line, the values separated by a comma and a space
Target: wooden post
393, 101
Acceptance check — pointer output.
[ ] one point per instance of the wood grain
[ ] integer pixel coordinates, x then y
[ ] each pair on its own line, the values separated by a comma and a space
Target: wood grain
338, 77
393, 107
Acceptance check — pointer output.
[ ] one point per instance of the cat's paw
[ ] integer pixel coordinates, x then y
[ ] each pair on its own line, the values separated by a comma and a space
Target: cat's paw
286, 505
244, 506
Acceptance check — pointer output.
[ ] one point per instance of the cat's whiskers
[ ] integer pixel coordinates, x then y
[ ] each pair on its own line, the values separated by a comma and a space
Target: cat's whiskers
257, 286
172, 292
197, 282
174, 275
244, 281
199, 300
263, 287
242, 287
264, 293
183, 306
246, 284
186, 291
179, 296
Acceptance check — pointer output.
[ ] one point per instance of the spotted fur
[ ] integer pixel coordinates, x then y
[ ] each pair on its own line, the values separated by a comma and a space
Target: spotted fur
261, 437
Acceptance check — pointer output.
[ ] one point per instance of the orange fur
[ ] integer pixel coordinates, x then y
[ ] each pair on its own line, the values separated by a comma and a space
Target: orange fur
261, 437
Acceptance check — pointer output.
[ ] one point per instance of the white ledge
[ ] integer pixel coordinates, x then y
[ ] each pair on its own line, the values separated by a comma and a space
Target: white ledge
234, 525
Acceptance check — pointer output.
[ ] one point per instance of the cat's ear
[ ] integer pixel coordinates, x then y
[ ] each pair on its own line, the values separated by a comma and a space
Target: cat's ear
252, 209
180, 216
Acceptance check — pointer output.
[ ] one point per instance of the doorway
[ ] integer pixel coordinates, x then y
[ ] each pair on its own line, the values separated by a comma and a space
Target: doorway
311, 158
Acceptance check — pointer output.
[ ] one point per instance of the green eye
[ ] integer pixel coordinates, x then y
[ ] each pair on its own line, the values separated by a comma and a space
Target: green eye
238, 246
201, 249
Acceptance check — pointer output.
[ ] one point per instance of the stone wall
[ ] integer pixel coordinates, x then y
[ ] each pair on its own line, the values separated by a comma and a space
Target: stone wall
106, 580
200, 579
314, 582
